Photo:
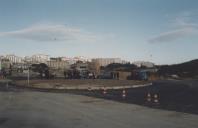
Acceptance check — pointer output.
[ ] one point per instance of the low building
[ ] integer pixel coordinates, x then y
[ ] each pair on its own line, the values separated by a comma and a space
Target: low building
144, 64
5, 67
5, 64
82, 68
105, 75
145, 74
94, 68
121, 75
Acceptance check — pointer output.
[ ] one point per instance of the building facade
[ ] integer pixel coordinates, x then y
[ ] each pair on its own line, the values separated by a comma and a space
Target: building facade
40, 58
144, 63
14, 59
107, 61
58, 63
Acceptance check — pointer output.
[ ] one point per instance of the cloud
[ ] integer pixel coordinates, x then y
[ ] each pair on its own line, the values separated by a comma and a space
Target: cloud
182, 28
184, 21
174, 35
50, 33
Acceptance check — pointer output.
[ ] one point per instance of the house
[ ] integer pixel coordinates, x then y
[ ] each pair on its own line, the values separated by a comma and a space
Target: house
121, 75
145, 74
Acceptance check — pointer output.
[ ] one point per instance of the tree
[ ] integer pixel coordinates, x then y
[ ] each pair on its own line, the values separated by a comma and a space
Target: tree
41, 68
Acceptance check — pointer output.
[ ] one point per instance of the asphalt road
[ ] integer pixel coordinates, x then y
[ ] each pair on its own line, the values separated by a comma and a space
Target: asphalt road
29, 109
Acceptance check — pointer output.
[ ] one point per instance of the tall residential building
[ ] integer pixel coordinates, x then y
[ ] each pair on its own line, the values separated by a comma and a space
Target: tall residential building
73, 60
58, 63
14, 59
37, 58
107, 61
40, 58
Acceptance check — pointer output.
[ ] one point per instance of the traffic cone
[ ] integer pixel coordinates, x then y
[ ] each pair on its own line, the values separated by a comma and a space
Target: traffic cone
156, 99
104, 91
148, 98
123, 93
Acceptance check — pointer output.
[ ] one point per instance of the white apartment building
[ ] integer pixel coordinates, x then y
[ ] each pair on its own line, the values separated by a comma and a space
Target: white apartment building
58, 63
14, 59
37, 58
40, 58
107, 61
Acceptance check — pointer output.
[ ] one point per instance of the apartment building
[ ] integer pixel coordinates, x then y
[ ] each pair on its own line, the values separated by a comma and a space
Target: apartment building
107, 61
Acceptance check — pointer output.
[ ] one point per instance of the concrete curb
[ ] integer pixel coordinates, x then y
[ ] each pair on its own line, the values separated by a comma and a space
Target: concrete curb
96, 87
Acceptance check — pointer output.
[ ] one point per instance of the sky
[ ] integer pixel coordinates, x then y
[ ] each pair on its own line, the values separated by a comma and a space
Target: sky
160, 31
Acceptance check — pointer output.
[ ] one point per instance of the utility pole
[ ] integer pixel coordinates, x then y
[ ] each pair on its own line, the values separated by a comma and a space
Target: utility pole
28, 76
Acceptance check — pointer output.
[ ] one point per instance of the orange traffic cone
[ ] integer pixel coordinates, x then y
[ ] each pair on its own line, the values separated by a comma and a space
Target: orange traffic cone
123, 93
104, 91
148, 98
156, 99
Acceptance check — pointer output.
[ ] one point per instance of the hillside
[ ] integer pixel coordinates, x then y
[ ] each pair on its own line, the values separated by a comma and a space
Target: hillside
188, 69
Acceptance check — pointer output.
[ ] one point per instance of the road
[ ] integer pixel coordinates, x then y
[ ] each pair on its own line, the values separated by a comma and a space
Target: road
31, 109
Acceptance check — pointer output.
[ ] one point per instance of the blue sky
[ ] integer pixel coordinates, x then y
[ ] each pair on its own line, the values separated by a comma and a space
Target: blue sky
161, 31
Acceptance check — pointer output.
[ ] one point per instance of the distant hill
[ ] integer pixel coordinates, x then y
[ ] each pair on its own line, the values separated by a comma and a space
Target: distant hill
187, 69
184, 70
